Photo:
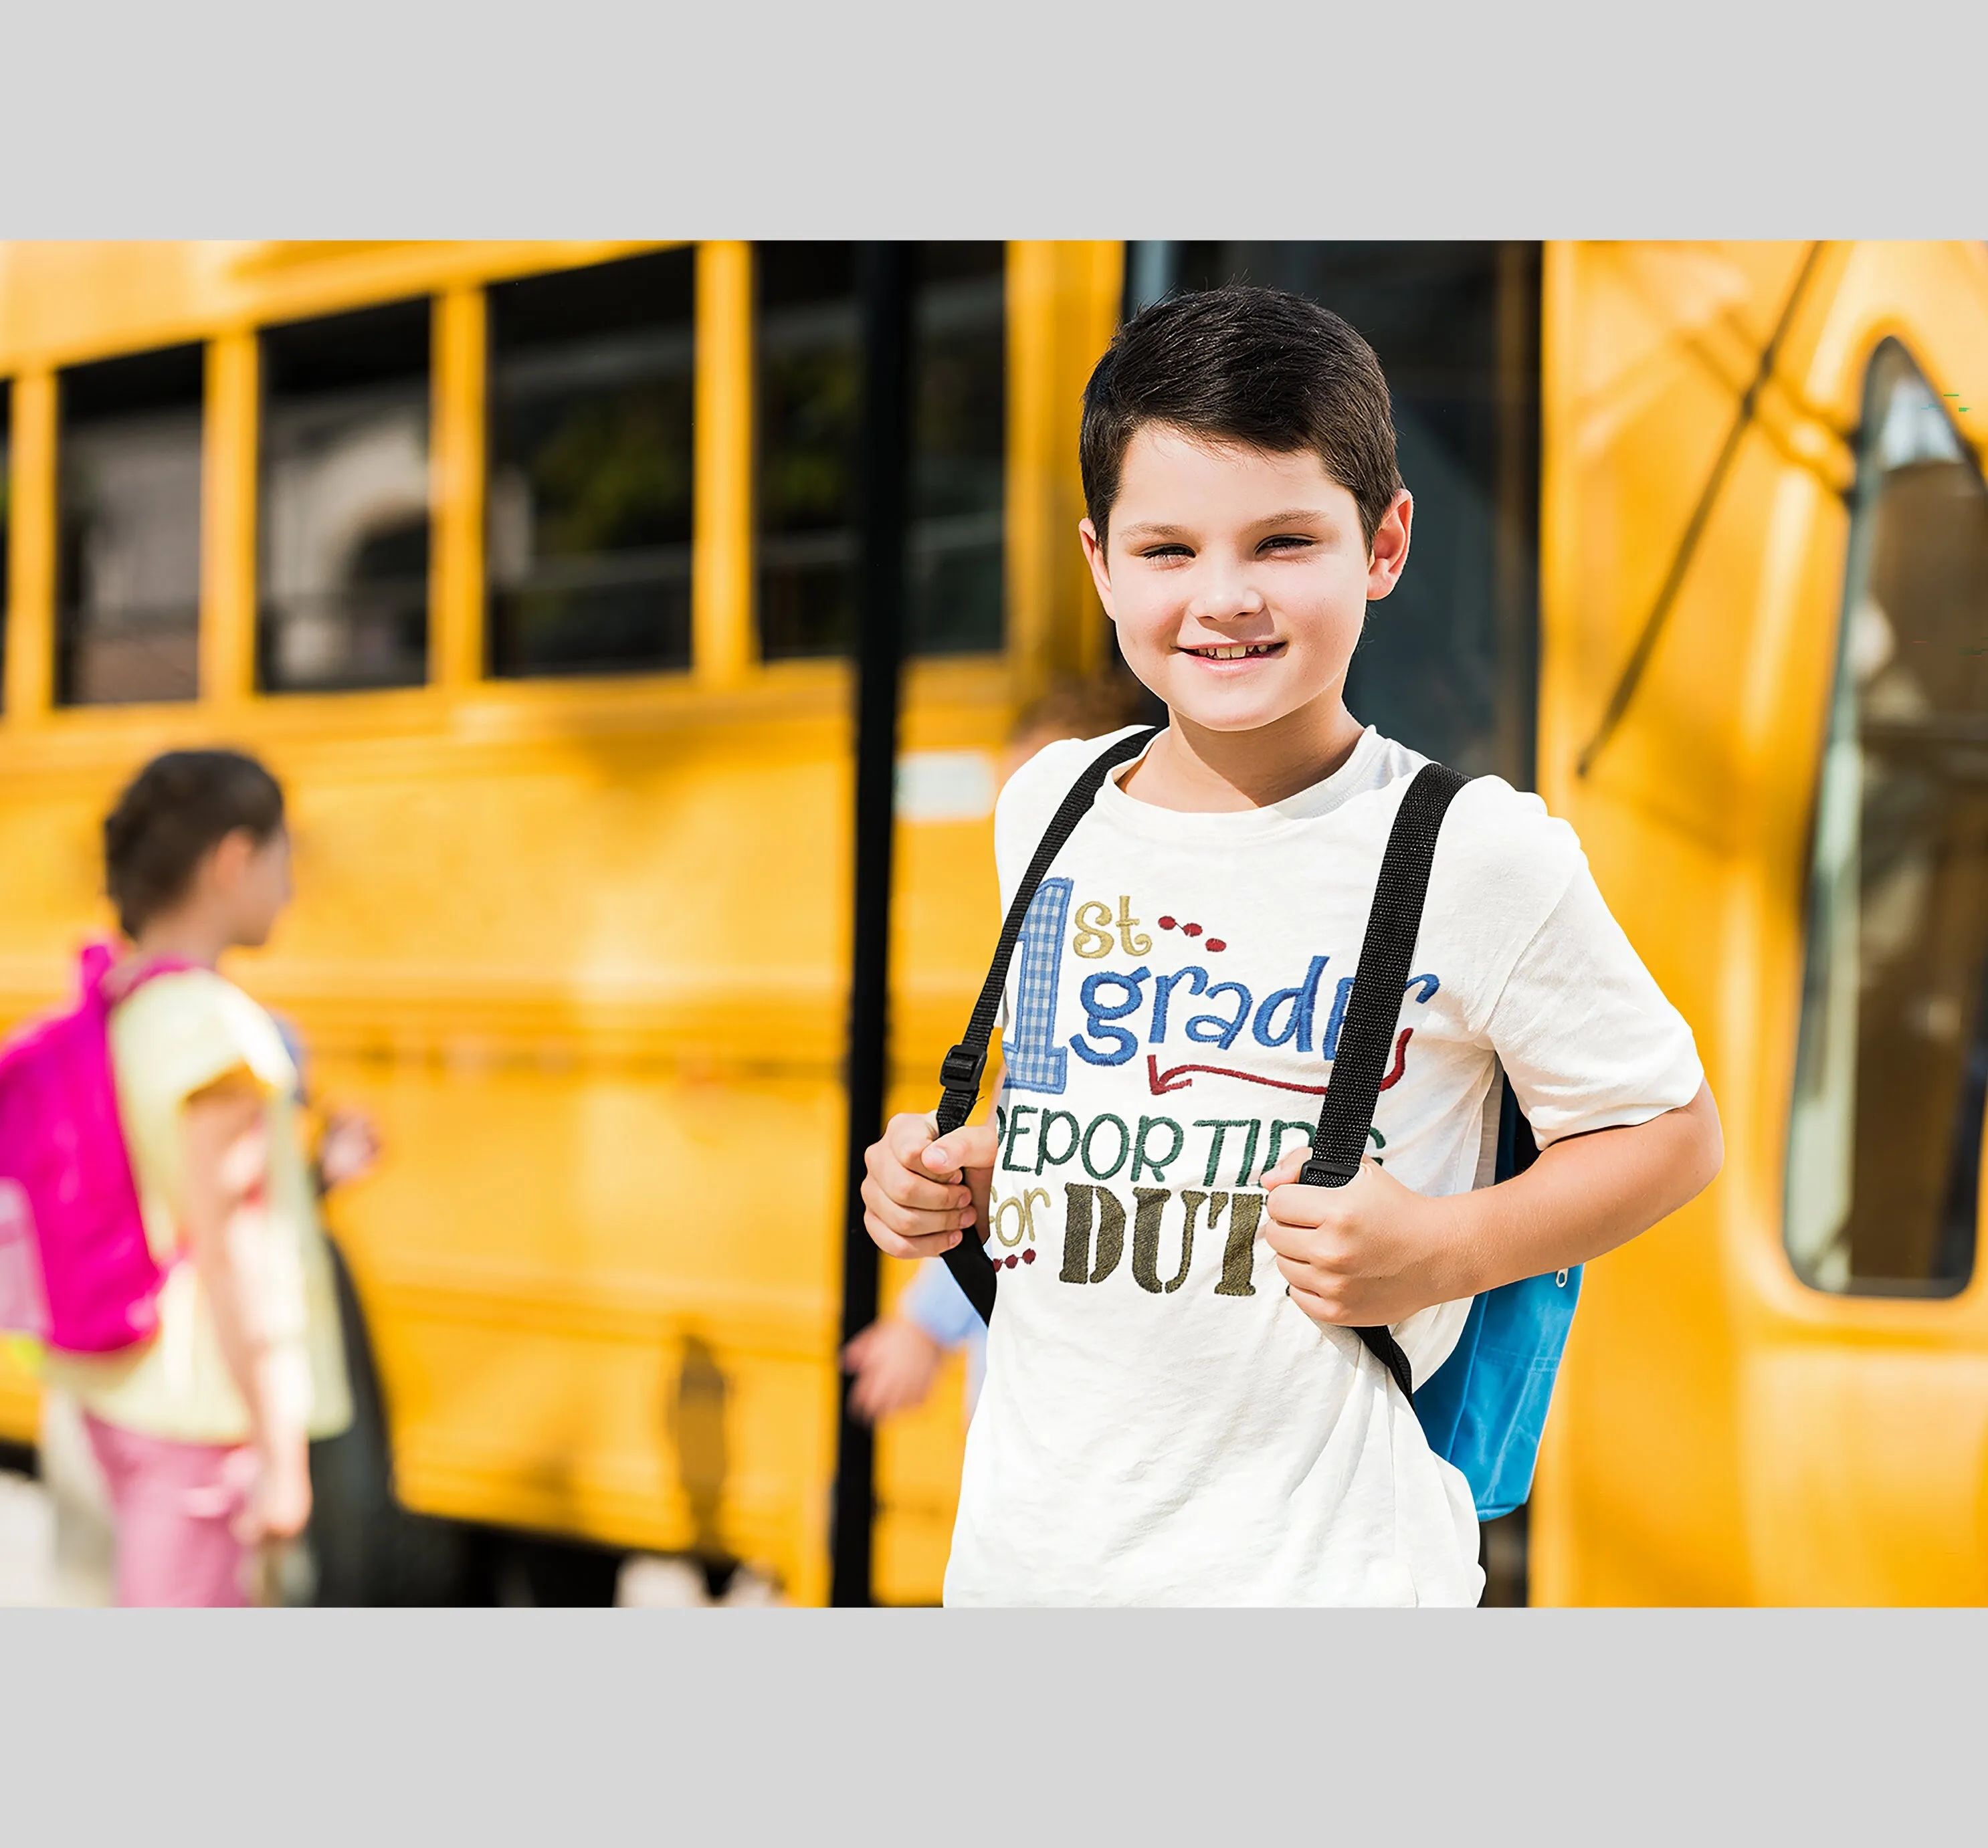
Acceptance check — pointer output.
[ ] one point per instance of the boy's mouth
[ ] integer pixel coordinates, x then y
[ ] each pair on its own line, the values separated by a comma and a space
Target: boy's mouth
1235, 651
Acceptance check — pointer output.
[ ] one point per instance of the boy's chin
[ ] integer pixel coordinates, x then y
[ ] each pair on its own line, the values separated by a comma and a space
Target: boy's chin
1236, 713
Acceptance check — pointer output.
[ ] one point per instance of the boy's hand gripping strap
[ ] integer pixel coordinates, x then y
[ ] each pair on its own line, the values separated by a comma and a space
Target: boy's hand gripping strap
1387, 955
971, 1268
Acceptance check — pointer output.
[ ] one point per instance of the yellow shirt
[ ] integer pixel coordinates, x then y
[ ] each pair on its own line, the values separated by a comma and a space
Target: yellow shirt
175, 1036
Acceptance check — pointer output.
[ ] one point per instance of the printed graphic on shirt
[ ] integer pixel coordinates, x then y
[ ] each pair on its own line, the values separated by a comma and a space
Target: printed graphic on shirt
1168, 1176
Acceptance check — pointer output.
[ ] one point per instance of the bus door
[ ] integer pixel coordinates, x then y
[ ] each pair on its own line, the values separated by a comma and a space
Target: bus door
1865, 1406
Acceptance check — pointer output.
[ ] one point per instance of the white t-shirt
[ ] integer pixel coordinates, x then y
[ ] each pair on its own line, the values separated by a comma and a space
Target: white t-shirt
1160, 1423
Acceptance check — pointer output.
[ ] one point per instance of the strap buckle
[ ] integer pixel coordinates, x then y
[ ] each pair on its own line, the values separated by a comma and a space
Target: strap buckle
960, 1068
1322, 1171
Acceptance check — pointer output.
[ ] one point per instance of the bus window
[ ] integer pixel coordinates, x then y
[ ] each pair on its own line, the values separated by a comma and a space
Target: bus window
808, 398
128, 562
343, 592
1891, 1070
1448, 662
959, 383
591, 469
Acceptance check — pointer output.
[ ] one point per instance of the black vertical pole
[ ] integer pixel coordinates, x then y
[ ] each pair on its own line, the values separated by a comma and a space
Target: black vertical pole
884, 286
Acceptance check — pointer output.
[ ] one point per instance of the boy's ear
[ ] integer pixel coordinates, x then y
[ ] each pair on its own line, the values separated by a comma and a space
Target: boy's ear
1389, 552
1100, 570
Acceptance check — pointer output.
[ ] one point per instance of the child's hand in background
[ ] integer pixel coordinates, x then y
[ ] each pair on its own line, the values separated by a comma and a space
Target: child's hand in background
895, 1363
349, 1150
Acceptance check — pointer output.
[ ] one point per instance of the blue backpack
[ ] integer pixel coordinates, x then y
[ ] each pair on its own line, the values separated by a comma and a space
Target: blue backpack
1485, 1408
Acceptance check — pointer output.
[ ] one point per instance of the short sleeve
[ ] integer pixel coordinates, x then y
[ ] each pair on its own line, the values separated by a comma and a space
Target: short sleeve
1586, 1036
187, 1031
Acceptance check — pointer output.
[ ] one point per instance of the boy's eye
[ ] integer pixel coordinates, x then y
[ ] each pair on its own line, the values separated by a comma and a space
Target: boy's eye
1166, 551
1285, 542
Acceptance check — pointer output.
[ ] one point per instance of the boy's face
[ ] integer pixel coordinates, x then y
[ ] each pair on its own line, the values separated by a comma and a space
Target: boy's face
1238, 579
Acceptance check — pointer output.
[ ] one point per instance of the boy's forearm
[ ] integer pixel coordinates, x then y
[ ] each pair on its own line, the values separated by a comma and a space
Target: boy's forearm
1584, 1197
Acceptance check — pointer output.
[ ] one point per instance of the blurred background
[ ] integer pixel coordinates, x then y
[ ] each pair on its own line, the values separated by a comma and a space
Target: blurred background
535, 571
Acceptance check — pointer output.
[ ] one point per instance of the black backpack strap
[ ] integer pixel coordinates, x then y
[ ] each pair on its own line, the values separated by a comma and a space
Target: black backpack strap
1367, 1033
971, 1268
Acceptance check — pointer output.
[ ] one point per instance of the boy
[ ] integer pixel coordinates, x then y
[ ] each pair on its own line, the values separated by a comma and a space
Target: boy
1200, 1425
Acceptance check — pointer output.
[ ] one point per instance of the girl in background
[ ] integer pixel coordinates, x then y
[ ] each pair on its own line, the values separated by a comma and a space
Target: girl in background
202, 1432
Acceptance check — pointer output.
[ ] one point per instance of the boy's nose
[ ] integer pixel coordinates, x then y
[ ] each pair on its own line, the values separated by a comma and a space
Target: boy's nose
1227, 596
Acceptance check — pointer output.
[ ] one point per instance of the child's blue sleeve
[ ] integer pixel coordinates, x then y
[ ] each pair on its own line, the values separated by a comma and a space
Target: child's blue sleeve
937, 1305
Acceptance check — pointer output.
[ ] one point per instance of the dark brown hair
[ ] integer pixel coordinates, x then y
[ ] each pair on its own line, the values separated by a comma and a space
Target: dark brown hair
174, 813
1243, 364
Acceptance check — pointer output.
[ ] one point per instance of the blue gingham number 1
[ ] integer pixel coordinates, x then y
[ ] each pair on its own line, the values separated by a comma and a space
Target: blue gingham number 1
1034, 1062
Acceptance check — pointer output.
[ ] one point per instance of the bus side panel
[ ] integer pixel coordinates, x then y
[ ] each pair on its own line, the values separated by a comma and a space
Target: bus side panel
588, 982
1638, 1499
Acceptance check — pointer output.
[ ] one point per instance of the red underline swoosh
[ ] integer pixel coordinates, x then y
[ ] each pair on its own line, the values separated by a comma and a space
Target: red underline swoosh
1163, 1082
1171, 1080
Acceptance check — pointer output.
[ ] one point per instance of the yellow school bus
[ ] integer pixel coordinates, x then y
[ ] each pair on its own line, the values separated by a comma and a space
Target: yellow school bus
527, 567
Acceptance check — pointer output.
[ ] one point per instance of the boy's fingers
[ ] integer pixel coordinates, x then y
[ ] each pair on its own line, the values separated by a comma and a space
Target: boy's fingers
896, 1246
908, 1225
915, 1191
1282, 1239
905, 1136
1329, 1305
1334, 1251
970, 1148
907, 1131
1297, 1274
1287, 1170
909, 1220
1316, 1307
1301, 1205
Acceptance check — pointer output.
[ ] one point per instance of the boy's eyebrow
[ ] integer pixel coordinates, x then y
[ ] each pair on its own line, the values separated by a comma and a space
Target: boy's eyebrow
1153, 530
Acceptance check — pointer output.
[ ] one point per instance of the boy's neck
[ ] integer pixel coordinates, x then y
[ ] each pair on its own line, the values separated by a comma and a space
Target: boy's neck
1195, 770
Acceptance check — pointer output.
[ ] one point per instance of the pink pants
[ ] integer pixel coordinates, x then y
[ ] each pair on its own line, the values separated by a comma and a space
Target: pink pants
172, 1504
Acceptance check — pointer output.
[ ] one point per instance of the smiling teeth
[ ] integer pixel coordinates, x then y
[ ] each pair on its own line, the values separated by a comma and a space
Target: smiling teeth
1240, 651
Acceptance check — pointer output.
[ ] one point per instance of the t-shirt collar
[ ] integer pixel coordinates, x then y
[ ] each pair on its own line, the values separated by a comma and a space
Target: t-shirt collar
1308, 804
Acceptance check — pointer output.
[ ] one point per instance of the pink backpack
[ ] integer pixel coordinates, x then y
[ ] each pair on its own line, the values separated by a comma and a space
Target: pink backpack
76, 1271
